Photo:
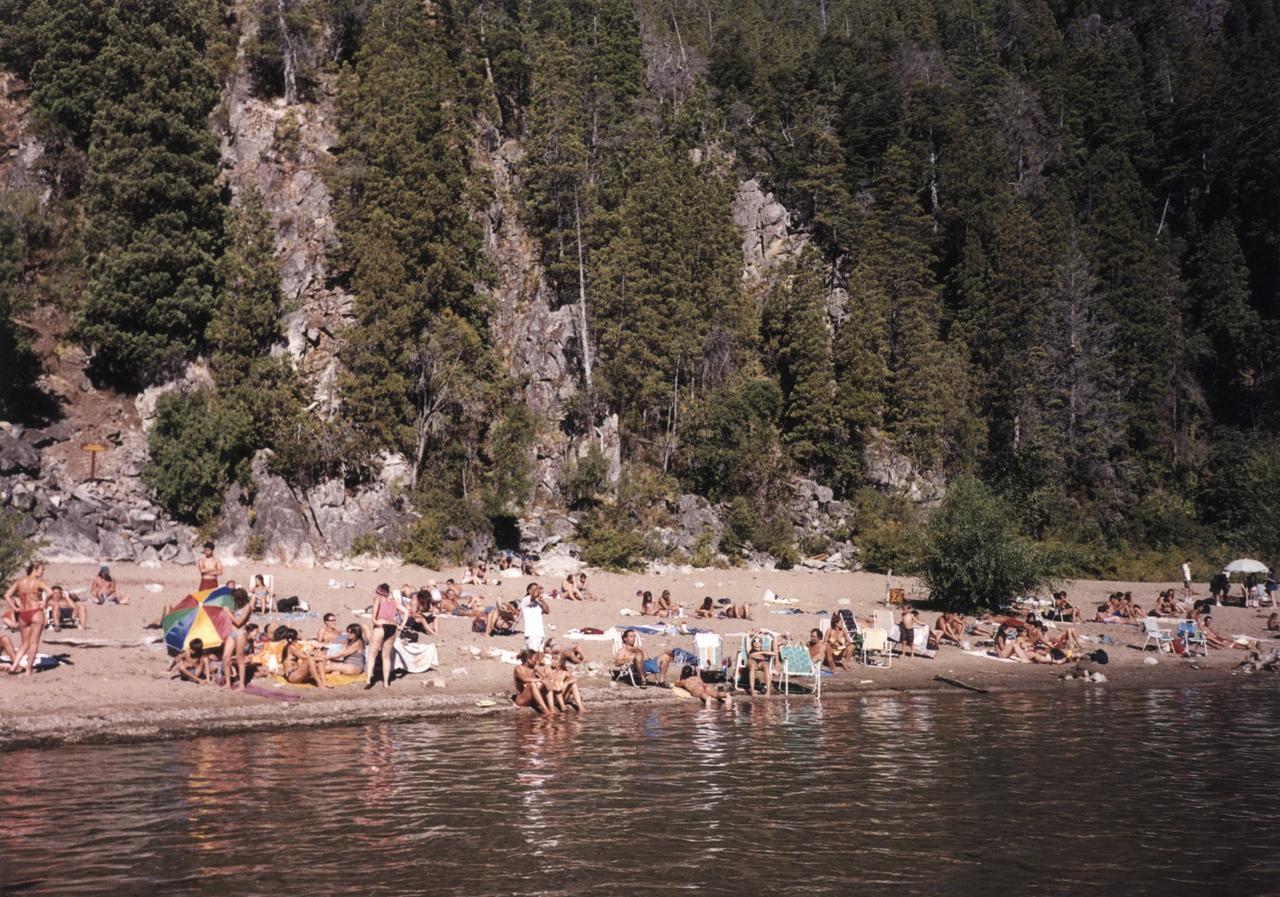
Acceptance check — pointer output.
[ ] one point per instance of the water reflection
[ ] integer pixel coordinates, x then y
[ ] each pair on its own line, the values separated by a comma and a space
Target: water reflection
1106, 793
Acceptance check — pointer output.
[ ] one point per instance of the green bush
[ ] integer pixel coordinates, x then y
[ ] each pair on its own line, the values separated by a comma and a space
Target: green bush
739, 524
256, 547
198, 446
704, 553
610, 547
447, 525
15, 550
893, 545
585, 481
776, 537
974, 557
365, 543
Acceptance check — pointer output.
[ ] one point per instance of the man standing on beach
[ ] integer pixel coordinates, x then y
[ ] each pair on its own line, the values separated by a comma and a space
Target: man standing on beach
531, 611
210, 569
1186, 579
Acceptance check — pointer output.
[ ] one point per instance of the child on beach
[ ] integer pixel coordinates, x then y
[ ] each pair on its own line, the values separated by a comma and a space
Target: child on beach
192, 664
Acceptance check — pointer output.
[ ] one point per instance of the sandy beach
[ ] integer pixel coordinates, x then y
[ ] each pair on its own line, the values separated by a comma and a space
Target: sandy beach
113, 693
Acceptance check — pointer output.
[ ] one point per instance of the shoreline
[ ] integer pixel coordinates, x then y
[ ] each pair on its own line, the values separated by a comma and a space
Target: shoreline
180, 723
120, 692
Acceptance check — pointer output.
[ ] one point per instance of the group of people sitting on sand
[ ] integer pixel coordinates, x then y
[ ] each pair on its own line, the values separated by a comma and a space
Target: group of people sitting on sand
544, 681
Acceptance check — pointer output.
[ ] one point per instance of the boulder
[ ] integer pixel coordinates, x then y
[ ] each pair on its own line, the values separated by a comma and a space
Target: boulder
113, 545
18, 457
185, 556
279, 518
72, 537
43, 437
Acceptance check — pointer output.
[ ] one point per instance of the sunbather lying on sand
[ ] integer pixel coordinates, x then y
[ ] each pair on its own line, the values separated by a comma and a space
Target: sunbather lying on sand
1215, 639
691, 682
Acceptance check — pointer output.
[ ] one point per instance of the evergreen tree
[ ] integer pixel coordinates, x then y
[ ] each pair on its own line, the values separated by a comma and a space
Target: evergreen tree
409, 238
798, 344
155, 212
896, 254
246, 324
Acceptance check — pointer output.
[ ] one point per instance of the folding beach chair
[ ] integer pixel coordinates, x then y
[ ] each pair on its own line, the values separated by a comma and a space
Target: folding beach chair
268, 580
1192, 635
794, 660
708, 647
744, 648
1152, 630
625, 672
876, 641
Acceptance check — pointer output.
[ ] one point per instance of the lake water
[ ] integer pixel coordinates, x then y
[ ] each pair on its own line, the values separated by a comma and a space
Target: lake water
1078, 792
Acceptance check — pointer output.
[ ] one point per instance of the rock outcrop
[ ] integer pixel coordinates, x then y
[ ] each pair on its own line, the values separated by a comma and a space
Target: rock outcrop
281, 151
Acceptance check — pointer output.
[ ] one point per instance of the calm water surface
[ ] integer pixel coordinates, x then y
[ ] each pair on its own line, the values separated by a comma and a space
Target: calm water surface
1081, 793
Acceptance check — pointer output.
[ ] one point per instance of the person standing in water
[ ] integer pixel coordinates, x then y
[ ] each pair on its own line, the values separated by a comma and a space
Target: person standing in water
27, 599
210, 569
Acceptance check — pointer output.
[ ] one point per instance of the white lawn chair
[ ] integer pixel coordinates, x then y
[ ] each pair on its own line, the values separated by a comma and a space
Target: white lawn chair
269, 581
708, 646
1154, 632
876, 641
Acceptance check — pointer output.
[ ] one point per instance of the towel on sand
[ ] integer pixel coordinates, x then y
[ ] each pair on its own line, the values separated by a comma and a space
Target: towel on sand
989, 656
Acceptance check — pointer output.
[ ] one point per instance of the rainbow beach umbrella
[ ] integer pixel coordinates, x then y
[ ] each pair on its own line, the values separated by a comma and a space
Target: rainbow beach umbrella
204, 615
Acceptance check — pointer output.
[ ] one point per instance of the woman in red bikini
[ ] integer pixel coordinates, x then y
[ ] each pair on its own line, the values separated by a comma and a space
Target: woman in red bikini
27, 598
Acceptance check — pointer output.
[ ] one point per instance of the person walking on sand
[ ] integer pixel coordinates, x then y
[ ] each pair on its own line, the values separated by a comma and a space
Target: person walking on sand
210, 569
1186, 579
26, 597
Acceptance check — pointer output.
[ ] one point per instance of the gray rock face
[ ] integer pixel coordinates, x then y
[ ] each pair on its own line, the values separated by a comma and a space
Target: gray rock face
279, 518
892, 471
281, 151
18, 457
766, 240
113, 545
541, 344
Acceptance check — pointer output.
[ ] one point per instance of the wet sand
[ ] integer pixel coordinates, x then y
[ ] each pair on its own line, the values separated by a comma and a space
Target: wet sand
125, 693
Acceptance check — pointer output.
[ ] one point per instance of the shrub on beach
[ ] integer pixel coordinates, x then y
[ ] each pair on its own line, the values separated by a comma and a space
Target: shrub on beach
15, 550
974, 556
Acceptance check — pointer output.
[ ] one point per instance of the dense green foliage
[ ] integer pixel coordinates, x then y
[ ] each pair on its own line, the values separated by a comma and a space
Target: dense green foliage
1041, 248
198, 446
15, 550
974, 558
156, 214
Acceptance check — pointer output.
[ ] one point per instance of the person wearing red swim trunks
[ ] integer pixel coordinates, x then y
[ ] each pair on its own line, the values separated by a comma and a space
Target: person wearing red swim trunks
27, 598
210, 569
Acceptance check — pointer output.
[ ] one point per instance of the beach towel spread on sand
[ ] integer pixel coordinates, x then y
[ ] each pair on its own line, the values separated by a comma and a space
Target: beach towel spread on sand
919, 638
414, 657
43, 662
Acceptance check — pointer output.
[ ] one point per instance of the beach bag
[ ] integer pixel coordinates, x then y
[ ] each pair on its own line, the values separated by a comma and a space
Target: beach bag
1099, 657
286, 605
